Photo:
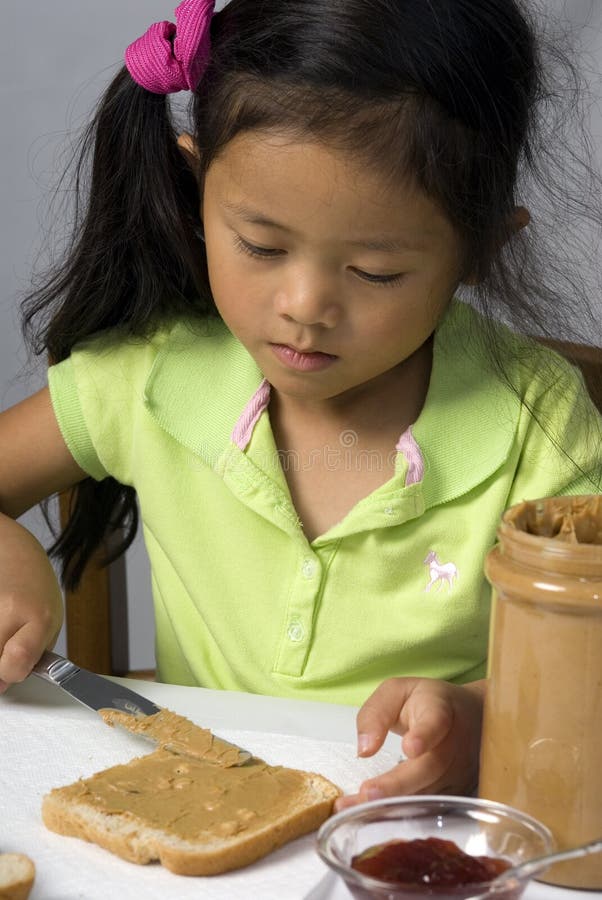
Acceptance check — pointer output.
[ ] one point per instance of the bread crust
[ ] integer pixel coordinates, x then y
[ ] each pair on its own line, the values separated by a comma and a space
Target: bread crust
17, 873
130, 838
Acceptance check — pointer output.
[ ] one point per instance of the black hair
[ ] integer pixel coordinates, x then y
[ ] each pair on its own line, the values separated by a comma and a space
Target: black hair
453, 94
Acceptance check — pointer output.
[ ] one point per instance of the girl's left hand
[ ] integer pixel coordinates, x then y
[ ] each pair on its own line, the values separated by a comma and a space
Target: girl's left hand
441, 728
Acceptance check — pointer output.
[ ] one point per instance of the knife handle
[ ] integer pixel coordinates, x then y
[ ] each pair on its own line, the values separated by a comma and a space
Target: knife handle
54, 668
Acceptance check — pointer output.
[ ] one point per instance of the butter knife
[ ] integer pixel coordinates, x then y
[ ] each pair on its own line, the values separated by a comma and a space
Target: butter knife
97, 692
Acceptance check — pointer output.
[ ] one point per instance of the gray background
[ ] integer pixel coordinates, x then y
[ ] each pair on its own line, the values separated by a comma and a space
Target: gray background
57, 57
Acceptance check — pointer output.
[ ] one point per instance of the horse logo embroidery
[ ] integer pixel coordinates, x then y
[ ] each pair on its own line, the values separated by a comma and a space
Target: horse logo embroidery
440, 573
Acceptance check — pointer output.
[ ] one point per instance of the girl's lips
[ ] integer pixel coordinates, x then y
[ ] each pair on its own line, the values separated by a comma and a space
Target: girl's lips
302, 362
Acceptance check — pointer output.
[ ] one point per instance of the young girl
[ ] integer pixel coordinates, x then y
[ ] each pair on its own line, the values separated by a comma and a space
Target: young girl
255, 333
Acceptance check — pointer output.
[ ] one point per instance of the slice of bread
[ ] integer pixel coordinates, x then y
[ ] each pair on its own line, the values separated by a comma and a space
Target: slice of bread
194, 817
17, 873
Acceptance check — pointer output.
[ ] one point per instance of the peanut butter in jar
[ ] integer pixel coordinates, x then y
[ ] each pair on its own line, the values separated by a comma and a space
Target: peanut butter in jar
542, 731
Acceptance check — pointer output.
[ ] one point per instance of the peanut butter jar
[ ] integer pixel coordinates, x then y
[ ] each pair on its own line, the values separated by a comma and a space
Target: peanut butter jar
542, 731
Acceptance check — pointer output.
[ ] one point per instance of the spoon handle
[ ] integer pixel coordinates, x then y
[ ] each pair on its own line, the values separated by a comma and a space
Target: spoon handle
530, 868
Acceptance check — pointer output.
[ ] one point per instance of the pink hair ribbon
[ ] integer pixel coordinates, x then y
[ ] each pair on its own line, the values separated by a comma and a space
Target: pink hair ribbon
170, 58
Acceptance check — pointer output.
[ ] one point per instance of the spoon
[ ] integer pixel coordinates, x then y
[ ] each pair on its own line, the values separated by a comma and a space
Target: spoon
527, 869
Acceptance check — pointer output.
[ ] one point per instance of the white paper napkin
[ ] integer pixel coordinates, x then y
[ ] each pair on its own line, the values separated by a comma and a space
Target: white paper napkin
40, 751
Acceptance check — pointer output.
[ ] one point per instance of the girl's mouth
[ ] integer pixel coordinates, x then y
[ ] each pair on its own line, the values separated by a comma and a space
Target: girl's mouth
300, 361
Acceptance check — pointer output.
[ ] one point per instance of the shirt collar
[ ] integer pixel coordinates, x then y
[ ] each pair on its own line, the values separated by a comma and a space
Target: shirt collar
200, 383
203, 380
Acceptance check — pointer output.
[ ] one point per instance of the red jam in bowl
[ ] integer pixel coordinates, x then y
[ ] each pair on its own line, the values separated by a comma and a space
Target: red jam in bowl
427, 862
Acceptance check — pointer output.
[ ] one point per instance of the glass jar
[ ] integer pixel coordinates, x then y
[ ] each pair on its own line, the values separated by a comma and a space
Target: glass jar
542, 731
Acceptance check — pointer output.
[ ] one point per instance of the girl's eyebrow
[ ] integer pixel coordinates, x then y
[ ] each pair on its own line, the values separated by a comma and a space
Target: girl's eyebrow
385, 243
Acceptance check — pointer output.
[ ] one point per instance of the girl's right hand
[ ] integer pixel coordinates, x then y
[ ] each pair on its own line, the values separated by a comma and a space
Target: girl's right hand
31, 604
34, 463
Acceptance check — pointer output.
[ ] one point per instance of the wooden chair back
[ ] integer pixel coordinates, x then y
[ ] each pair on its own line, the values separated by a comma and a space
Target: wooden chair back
96, 616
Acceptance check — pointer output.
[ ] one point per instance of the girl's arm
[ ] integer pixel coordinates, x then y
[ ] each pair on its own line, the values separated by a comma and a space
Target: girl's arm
34, 464
441, 728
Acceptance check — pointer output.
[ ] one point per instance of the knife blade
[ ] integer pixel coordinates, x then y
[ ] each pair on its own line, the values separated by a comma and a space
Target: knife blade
92, 690
97, 692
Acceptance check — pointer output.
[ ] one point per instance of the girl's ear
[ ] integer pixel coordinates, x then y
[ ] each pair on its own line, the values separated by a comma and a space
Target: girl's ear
189, 150
520, 219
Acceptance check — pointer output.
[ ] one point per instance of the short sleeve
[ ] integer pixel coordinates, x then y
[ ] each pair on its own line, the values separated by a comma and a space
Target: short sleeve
98, 398
69, 414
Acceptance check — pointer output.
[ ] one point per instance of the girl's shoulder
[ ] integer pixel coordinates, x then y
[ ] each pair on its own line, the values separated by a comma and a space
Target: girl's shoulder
119, 369
119, 348
523, 364
101, 393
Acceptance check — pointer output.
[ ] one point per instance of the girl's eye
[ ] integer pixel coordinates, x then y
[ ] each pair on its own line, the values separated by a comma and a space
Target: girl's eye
253, 250
387, 280
271, 253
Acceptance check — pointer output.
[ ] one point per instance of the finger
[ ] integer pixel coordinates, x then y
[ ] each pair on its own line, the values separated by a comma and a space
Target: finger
381, 713
20, 653
345, 802
413, 776
428, 725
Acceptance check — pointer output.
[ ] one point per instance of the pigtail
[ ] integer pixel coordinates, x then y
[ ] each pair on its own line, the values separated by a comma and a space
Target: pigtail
134, 259
135, 256
101, 514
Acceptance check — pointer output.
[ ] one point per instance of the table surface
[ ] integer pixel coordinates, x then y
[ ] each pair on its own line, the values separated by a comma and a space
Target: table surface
47, 739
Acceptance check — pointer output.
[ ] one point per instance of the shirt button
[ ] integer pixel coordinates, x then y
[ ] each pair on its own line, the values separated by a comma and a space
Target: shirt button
309, 568
296, 632
390, 510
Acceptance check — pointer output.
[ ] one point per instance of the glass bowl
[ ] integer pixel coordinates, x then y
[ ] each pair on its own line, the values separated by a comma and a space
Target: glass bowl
478, 827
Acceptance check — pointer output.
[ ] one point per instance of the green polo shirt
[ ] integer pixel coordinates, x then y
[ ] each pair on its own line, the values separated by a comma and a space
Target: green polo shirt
242, 600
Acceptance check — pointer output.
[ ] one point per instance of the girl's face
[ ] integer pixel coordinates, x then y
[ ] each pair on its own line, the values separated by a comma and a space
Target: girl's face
330, 277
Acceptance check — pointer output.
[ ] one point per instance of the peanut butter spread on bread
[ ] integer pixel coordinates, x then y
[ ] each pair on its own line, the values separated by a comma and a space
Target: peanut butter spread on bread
177, 734
192, 797
189, 804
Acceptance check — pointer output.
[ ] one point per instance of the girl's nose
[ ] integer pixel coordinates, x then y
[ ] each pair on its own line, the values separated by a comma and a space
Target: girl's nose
309, 299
